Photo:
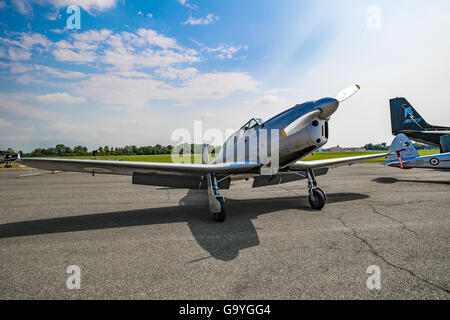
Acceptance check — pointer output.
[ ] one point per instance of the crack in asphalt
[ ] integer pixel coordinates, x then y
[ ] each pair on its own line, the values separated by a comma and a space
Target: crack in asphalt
389, 263
404, 226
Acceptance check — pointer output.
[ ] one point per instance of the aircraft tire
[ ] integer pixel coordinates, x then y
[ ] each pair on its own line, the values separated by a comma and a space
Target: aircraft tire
222, 215
319, 202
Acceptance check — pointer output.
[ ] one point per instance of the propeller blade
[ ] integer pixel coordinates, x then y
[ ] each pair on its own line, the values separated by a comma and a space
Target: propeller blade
326, 107
300, 123
347, 93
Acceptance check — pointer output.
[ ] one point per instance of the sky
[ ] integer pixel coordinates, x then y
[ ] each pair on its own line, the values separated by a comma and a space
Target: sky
136, 71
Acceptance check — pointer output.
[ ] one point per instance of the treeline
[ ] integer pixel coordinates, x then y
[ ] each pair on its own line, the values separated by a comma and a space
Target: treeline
60, 150
384, 147
422, 146
65, 151
376, 147
10, 151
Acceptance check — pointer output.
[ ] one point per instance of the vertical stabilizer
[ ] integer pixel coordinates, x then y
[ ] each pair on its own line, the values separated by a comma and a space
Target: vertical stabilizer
403, 147
405, 117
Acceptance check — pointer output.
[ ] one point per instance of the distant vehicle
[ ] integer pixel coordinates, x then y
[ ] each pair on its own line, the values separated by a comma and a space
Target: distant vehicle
405, 156
405, 119
299, 131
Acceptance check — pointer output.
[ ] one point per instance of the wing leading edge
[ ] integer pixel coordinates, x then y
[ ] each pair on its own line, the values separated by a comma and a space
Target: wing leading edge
331, 163
130, 167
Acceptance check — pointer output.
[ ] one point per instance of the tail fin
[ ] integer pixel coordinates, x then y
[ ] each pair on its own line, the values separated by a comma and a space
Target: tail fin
403, 147
405, 117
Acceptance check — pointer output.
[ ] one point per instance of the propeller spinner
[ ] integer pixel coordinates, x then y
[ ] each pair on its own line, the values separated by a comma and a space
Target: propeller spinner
324, 109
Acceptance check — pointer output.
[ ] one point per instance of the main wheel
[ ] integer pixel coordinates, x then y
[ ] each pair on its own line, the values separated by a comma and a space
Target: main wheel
222, 215
319, 199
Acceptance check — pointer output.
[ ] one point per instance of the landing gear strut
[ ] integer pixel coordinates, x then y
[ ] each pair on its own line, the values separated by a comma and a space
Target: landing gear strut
317, 198
216, 201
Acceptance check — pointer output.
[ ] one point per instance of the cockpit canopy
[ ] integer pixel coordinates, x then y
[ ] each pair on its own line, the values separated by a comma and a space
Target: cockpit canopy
252, 124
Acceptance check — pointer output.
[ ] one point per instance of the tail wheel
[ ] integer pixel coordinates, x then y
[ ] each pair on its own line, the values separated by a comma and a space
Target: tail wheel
317, 199
222, 215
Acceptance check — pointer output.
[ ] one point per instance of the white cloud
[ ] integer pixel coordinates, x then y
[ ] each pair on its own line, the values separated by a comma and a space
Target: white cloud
62, 74
59, 31
26, 6
2, 5
59, 98
17, 54
139, 92
22, 6
124, 50
185, 3
70, 55
149, 15
152, 38
92, 36
4, 123
269, 100
202, 21
213, 86
21, 45
173, 73
27, 78
19, 67
53, 16
88, 5
36, 73
13, 103
224, 51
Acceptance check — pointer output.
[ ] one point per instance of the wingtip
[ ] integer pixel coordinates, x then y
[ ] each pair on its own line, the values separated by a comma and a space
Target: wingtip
358, 86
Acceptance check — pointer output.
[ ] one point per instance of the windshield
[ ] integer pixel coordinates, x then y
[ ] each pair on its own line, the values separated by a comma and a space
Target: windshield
251, 124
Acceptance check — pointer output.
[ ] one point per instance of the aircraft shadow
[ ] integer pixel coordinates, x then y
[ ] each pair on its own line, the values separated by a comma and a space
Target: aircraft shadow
221, 240
390, 180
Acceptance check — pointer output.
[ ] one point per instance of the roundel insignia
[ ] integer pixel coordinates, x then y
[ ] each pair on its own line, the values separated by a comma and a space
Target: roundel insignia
434, 161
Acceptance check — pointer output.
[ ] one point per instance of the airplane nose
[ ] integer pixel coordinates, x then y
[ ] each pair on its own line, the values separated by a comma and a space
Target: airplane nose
328, 107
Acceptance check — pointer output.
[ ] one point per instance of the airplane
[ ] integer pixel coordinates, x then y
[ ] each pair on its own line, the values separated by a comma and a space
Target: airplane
297, 131
9, 158
405, 119
405, 156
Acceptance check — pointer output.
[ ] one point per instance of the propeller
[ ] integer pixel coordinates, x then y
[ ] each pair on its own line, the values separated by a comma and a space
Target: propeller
347, 93
324, 109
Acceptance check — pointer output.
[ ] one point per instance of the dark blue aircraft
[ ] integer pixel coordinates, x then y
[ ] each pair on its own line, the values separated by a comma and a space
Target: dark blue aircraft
405, 119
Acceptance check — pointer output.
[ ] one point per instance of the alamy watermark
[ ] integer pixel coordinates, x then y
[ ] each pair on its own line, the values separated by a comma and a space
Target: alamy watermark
374, 280
373, 21
246, 145
74, 280
74, 20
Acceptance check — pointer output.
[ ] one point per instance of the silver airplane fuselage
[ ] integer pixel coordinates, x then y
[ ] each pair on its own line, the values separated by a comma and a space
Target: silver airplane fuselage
247, 143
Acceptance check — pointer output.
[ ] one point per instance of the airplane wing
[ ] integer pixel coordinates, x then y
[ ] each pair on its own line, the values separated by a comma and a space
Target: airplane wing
331, 163
131, 167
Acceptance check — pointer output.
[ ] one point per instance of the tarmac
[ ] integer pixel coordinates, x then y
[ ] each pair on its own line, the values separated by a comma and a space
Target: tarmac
143, 242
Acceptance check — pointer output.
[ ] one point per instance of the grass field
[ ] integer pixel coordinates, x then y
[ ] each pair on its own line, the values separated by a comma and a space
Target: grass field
197, 158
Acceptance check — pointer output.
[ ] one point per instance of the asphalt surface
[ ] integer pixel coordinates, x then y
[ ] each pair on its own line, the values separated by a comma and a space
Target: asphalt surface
141, 242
